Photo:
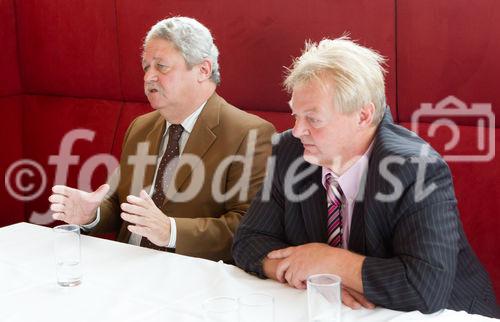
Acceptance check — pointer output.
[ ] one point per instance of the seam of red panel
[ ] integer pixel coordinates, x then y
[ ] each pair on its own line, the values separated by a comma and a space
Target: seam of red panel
22, 94
396, 57
119, 77
75, 97
22, 99
122, 106
118, 51
18, 51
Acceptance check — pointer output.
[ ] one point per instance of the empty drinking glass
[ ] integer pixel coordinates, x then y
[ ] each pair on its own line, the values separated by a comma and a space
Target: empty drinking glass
323, 298
220, 309
256, 307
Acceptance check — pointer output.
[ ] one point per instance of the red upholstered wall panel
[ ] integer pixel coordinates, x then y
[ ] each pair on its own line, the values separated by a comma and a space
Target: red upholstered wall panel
9, 76
69, 47
129, 112
48, 120
477, 191
447, 48
257, 38
282, 121
11, 142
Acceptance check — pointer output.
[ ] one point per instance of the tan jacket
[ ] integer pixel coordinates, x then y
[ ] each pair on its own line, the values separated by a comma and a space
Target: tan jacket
205, 227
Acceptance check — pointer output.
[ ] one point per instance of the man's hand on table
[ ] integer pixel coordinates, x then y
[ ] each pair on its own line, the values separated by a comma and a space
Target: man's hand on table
75, 206
293, 265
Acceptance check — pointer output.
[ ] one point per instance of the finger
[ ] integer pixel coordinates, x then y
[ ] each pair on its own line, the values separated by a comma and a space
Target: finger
133, 219
360, 298
293, 278
141, 231
349, 301
289, 277
59, 216
144, 195
298, 280
281, 270
101, 192
133, 209
137, 201
57, 199
57, 207
281, 253
62, 190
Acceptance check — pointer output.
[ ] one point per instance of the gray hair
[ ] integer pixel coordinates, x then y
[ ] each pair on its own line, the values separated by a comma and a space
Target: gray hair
191, 38
355, 71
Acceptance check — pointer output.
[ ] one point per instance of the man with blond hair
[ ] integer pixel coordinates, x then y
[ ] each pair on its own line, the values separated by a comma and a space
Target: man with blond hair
355, 195
189, 169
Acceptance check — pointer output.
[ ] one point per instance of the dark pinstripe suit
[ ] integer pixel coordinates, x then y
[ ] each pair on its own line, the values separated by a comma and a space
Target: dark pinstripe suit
417, 256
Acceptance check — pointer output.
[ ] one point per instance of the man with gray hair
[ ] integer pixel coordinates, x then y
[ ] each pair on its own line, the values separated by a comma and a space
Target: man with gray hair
189, 168
355, 195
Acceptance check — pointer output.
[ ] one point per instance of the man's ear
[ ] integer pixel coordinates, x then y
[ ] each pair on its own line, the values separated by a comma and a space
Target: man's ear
366, 115
205, 70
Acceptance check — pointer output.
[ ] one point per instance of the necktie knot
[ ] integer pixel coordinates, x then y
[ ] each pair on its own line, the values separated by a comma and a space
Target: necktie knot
175, 132
333, 184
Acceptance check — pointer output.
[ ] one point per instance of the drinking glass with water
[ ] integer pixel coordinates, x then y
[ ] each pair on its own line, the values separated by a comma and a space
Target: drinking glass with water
67, 255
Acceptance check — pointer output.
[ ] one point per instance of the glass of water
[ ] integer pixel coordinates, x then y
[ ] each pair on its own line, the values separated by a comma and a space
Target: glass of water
323, 298
67, 255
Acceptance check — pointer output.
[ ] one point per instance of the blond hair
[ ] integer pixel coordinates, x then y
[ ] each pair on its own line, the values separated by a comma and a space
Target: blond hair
356, 72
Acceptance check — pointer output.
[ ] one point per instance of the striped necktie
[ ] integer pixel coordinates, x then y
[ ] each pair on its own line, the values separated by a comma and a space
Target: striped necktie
334, 219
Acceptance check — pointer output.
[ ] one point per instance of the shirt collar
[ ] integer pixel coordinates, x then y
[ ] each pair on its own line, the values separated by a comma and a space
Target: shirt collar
350, 180
188, 123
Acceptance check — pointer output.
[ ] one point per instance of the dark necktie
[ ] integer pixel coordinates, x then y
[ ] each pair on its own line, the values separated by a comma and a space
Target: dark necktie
166, 170
334, 220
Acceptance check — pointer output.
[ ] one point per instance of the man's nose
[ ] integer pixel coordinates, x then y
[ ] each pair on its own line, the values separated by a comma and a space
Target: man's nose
299, 129
150, 75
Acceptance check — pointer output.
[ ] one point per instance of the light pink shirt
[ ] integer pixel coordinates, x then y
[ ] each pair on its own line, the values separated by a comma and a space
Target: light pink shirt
349, 182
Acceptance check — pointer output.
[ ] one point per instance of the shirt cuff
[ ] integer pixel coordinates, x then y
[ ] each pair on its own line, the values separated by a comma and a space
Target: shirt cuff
173, 233
89, 227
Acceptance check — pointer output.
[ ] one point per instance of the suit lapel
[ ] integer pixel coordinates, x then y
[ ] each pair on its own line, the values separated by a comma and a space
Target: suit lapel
313, 208
200, 140
357, 241
368, 188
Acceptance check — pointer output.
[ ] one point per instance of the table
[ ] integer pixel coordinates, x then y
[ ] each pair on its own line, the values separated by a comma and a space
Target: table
128, 283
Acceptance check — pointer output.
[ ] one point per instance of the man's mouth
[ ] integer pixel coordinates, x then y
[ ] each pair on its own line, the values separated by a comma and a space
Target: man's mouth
152, 90
307, 144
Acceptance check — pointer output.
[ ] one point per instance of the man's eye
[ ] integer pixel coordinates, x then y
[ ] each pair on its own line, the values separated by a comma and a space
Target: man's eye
161, 67
145, 68
312, 120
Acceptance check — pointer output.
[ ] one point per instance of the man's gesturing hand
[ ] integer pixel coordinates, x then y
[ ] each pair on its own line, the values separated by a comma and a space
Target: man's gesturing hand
148, 221
76, 206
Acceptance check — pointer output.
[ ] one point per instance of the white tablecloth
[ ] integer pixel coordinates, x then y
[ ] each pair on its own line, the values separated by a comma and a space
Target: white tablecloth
128, 283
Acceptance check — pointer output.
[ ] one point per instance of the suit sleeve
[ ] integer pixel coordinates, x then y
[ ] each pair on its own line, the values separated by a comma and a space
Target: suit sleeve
216, 233
425, 241
262, 229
